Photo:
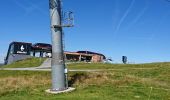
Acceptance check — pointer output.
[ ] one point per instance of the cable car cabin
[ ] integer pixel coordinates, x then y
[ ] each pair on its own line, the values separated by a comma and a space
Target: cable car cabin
18, 51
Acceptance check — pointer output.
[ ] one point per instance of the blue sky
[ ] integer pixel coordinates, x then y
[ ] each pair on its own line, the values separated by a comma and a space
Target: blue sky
138, 29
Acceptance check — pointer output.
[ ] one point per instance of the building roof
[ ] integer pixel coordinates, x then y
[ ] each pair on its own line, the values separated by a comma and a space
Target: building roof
90, 52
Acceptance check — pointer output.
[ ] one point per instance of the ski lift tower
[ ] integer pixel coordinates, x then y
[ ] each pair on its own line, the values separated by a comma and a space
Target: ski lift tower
59, 71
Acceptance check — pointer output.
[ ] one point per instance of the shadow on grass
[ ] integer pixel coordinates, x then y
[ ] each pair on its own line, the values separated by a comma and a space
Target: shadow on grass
78, 77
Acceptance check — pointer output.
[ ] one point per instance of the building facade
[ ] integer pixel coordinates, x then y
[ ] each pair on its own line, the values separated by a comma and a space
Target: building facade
22, 50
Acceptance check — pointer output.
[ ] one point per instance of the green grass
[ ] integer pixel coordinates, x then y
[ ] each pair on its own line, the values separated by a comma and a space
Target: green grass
116, 66
125, 84
35, 62
30, 62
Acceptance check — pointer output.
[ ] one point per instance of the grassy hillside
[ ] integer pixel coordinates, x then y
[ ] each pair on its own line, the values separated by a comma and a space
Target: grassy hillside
30, 62
35, 62
117, 66
143, 82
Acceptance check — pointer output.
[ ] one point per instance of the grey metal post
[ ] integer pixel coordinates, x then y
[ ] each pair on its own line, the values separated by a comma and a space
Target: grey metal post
58, 63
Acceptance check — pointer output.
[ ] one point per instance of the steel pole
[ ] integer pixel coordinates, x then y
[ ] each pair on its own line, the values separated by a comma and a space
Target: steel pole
57, 63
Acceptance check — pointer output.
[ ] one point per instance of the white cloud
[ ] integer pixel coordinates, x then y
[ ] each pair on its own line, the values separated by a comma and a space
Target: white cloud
29, 6
124, 16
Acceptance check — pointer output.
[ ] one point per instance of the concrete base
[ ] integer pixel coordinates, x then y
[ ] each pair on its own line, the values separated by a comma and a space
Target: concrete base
70, 89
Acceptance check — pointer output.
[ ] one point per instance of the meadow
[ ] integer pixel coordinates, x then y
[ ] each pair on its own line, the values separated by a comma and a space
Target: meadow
113, 82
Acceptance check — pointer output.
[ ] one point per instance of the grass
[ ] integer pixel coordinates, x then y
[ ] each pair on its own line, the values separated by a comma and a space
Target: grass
125, 84
30, 62
116, 66
35, 62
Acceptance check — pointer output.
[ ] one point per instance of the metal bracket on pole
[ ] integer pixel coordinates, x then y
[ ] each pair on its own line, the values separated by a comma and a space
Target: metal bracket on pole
60, 26
68, 19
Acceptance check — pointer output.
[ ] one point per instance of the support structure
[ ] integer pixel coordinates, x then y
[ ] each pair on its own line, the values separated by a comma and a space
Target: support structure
58, 63
59, 71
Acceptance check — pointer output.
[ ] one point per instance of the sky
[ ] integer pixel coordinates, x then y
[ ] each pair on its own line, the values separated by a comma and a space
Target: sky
138, 29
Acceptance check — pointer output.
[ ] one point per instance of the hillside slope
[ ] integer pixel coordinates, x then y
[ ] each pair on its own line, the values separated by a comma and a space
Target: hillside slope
30, 62
130, 82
